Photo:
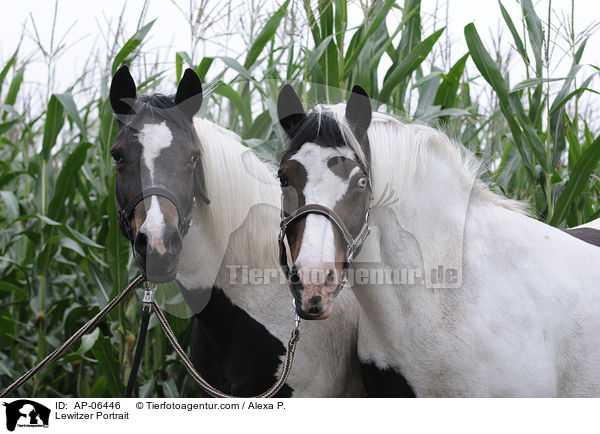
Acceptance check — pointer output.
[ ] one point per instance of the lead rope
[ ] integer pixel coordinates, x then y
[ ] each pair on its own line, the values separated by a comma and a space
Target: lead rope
139, 347
69, 342
215, 393
148, 303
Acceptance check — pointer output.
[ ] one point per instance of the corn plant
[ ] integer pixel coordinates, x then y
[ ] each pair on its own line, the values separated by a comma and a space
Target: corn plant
61, 252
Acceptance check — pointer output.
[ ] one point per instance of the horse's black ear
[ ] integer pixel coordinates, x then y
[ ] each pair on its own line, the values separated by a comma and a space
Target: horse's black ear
358, 109
189, 93
122, 91
289, 109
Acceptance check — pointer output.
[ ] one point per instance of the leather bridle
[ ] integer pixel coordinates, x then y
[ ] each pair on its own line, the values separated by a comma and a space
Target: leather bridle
184, 221
352, 245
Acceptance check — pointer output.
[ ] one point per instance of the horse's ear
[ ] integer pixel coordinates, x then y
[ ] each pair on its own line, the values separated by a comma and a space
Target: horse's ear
358, 110
189, 93
289, 109
122, 91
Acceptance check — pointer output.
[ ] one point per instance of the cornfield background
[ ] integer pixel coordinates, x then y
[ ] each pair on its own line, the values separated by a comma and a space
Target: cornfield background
61, 253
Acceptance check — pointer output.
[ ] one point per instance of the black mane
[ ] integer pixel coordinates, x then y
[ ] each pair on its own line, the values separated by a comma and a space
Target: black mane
156, 106
320, 128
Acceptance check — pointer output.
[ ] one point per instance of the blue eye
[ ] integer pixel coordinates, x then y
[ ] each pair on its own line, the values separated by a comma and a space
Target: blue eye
362, 183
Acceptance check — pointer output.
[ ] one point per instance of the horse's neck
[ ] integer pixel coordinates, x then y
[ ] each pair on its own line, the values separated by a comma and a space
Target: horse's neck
239, 226
432, 212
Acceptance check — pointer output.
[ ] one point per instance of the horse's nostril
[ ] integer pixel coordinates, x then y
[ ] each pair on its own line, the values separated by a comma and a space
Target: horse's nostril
314, 310
173, 241
140, 244
330, 277
294, 276
315, 300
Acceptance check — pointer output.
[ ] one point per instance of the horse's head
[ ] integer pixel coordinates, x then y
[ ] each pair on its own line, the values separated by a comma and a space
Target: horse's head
159, 172
326, 187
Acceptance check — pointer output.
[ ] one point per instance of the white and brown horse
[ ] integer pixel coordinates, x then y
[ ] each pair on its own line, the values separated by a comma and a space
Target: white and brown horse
200, 208
475, 298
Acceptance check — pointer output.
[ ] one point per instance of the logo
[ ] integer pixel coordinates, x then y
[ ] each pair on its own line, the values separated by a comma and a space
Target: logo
26, 413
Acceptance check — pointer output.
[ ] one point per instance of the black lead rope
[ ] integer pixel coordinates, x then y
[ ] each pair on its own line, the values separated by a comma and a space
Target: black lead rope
140, 345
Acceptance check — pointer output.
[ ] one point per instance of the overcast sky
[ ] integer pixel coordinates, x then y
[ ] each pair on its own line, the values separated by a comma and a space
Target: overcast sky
170, 32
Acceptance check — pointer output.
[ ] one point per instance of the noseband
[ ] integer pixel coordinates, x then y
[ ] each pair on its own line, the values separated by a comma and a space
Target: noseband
352, 244
184, 221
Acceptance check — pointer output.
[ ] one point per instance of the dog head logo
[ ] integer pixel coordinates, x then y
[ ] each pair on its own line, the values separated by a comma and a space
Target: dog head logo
26, 413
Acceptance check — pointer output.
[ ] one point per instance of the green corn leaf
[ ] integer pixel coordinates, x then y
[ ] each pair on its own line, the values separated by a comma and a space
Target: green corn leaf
242, 106
65, 184
66, 99
316, 54
513, 31
117, 247
490, 72
374, 25
536, 33
54, 122
6, 126
406, 66
234, 64
202, 69
447, 94
265, 35
103, 352
533, 82
130, 46
180, 58
578, 181
7, 67
15, 86
261, 125
11, 204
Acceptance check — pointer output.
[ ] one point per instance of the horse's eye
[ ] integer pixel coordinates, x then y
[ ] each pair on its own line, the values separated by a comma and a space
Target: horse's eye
195, 158
283, 180
362, 183
116, 155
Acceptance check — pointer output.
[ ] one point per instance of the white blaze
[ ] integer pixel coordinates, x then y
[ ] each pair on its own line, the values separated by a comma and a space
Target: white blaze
154, 138
325, 188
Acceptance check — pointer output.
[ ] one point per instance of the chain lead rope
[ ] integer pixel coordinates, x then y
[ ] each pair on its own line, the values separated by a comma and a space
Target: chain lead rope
215, 393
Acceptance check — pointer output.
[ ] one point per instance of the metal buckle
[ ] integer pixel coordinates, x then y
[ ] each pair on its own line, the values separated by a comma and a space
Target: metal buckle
297, 318
149, 293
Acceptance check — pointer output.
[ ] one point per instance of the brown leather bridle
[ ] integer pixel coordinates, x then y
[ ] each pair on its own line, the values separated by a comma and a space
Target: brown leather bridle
352, 245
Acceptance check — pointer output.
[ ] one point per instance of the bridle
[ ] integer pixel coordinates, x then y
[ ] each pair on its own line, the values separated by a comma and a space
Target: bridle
184, 221
352, 245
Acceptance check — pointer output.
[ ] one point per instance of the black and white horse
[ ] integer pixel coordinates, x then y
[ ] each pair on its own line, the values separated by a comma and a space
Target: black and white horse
201, 208
464, 295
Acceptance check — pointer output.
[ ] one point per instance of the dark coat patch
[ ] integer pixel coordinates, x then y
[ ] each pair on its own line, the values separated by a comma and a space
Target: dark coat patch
589, 235
233, 352
384, 383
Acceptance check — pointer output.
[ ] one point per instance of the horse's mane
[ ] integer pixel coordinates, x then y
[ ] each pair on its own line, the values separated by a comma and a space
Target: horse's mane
408, 146
239, 186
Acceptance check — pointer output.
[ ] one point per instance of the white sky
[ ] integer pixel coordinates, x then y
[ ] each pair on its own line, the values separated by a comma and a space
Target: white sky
170, 33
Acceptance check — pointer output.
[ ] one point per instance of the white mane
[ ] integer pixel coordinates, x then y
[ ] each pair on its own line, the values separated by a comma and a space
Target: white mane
400, 150
238, 184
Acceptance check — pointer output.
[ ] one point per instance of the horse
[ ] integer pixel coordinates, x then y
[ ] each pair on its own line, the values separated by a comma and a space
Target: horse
478, 299
200, 208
